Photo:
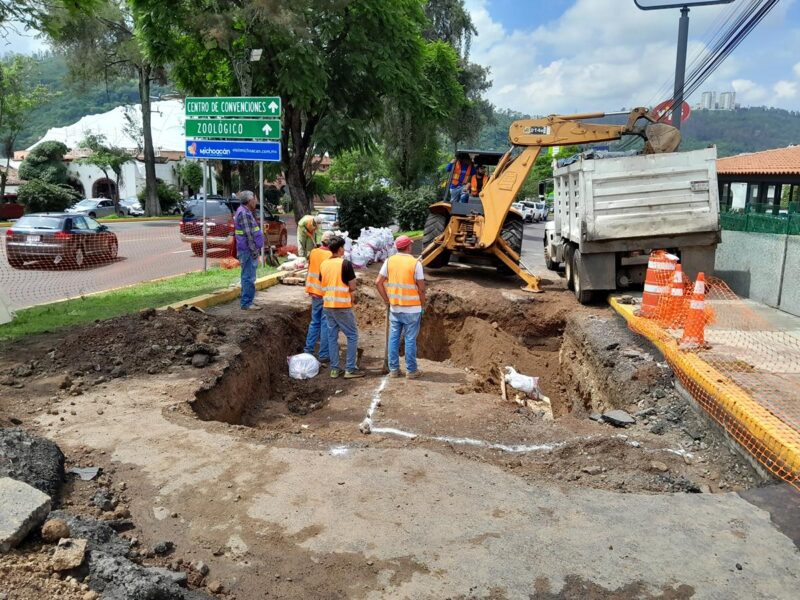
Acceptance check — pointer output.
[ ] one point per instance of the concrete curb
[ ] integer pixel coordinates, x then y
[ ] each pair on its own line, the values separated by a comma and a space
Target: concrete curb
761, 433
223, 296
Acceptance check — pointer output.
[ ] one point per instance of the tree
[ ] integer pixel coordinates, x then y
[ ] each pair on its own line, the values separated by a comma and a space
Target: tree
100, 43
332, 62
357, 169
19, 97
543, 170
191, 173
106, 158
46, 178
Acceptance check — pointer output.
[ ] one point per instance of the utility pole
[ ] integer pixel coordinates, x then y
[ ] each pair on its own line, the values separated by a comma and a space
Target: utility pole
683, 39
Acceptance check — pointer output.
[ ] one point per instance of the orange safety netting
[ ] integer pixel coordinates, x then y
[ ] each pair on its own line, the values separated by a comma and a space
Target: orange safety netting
745, 372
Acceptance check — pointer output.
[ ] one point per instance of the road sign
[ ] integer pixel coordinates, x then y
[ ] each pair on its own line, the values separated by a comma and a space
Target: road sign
242, 106
265, 129
233, 150
663, 112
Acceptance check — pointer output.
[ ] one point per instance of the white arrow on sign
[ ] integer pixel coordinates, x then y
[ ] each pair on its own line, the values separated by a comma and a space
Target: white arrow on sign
266, 129
272, 106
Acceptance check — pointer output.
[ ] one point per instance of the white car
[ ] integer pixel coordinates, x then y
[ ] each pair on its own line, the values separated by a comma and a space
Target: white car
92, 207
330, 218
541, 211
518, 206
130, 206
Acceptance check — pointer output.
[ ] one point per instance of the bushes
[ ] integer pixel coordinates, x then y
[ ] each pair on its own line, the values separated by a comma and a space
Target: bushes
360, 208
40, 196
411, 207
168, 196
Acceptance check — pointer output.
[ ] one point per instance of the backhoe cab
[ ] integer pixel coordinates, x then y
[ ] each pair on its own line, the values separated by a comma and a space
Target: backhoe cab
487, 229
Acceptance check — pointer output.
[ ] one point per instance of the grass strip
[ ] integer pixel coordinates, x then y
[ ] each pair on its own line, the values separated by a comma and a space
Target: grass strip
104, 305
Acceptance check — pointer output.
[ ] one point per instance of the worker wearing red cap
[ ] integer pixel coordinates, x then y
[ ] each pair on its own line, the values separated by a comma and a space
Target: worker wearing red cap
401, 284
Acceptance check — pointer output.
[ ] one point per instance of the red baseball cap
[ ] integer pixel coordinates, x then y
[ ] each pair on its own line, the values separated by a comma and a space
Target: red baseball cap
403, 242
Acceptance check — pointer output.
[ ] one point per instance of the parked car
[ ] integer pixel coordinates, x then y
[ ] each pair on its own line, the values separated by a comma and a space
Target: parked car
130, 207
64, 239
541, 210
528, 212
92, 207
219, 226
330, 218
534, 211
10, 208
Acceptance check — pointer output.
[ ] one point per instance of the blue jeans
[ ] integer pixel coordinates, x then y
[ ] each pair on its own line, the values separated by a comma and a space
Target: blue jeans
403, 325
455, 194
249, 265
317, 329
344, 320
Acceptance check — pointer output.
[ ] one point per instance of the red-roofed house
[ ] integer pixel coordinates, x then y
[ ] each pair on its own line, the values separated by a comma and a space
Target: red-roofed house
771, 177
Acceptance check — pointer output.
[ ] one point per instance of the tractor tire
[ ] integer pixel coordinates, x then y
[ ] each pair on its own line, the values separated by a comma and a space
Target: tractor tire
434, 227
512, 235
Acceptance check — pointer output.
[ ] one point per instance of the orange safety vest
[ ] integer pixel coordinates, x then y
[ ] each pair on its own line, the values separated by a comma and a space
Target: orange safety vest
456, 179
314, 277
401, 285
336, 293
474, 184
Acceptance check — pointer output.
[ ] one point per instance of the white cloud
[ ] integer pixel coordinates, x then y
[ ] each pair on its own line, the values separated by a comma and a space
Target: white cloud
785, 89
600, 56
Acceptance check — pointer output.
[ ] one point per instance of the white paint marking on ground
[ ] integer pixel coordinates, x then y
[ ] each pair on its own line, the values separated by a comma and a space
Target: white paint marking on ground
181, 251
393, 431
339, 450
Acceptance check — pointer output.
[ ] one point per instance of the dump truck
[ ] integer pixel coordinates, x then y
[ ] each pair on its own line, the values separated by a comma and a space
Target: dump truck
486, 228
610, 212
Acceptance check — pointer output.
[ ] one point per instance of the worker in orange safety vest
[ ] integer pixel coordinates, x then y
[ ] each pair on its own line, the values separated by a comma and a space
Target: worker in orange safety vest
318, 326
478, 181
462, 170
401, 284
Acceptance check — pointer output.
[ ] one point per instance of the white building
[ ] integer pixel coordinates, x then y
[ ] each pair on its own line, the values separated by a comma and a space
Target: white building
168, 140
727, 101
708, 101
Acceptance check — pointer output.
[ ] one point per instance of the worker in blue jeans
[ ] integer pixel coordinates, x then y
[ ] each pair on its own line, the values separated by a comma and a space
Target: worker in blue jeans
338, 284
401, 284
318, 325
249, 241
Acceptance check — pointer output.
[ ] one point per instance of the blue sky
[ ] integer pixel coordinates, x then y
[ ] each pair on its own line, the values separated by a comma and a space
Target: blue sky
560, 56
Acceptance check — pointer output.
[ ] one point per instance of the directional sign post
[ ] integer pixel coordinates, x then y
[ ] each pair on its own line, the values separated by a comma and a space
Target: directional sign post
240, 129
227, 120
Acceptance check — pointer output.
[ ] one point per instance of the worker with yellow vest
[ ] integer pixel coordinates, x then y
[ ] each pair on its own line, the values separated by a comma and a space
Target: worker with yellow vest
307, 234
401, 284
318, 327
338, 284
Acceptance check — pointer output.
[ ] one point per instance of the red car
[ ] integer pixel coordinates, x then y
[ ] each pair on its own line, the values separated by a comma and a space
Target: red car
59, 239
219, 226
10, 208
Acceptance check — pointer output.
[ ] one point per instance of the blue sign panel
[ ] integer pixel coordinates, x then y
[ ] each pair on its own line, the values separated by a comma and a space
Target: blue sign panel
233, 150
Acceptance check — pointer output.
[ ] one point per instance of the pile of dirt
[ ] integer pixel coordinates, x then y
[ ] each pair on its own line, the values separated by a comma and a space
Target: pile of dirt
148, 342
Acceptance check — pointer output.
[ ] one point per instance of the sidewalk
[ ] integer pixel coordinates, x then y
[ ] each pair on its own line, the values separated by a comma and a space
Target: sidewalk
747, 379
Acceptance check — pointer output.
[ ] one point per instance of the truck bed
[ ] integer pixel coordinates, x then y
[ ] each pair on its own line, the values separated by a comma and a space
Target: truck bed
649, 196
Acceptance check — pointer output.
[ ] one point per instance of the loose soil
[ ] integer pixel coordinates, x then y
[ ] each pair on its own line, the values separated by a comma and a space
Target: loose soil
585, 359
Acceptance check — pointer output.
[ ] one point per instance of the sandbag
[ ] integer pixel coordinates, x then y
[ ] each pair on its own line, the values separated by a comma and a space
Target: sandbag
303, 366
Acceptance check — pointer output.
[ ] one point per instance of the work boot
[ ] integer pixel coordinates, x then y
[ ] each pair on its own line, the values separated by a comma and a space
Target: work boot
353, 374
395, 374
251, 307
324, 362
335, 373
413, 375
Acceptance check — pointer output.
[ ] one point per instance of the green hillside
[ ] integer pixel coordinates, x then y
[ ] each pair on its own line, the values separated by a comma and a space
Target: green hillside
733, 132
71, 102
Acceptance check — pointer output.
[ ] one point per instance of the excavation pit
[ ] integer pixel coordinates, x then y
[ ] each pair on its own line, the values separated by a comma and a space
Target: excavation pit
586, 361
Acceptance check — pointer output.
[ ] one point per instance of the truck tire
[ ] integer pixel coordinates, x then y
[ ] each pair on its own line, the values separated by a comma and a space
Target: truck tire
512, 235
549, 262
584, 296
569, 268
434, 227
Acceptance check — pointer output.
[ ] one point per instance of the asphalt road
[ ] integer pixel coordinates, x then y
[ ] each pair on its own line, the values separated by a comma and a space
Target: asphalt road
147, 250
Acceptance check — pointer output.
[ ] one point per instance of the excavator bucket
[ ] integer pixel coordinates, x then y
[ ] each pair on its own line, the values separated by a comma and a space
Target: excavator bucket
661, 138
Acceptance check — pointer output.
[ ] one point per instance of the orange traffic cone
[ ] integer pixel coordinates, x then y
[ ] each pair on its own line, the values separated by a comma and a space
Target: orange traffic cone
674, 315
657, 282
694, 331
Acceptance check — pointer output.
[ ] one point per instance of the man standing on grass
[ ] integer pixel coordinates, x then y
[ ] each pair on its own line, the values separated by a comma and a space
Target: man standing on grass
318, 327
338, 285
401, 284
249, 241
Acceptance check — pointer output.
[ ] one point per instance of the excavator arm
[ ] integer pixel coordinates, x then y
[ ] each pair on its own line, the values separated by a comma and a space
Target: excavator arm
556, 130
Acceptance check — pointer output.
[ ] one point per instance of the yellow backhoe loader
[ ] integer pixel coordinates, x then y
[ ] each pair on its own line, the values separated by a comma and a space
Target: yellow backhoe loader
486, 227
